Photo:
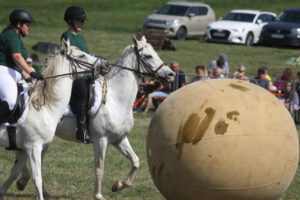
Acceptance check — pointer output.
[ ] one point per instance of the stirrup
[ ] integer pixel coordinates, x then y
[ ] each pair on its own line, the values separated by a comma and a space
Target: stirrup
13, 148
84, 139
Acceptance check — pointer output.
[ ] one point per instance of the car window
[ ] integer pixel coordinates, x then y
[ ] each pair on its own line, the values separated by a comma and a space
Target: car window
173, 10
198, 11
241, 17
289, 16
265, 18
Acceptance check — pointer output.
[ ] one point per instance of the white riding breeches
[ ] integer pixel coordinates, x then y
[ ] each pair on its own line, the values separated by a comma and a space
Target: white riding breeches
8, 85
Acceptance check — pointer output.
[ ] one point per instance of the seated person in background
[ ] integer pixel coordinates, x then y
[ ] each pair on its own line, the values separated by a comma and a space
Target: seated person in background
179, 80
162, 91
260, 79
217, 73
201, 73
280, 82
241, 74
290, 98
268, 77
222, 63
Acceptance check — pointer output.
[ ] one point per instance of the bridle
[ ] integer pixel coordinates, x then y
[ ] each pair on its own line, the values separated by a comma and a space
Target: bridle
141, 62
78, 64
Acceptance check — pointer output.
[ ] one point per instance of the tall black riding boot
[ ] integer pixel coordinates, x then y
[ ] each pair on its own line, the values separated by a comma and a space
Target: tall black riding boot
4, 111
11, 131
82, 131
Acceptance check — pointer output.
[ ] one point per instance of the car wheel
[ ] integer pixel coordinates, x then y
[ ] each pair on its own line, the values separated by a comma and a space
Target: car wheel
249, 39
181, 34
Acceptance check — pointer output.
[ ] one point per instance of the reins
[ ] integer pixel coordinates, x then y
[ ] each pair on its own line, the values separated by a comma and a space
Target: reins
151, 73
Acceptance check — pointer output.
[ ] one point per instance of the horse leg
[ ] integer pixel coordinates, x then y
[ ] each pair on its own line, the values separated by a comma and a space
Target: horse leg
35, 158
19, 163
23, 180
45, 193
25, 176
100, 145
125, 148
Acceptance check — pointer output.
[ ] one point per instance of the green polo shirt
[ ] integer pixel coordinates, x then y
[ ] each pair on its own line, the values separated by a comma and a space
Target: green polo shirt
76, 40
11, 42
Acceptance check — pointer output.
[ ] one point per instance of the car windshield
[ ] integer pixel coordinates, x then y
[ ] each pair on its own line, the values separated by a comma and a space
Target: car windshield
172, 10
289, 16
240, 17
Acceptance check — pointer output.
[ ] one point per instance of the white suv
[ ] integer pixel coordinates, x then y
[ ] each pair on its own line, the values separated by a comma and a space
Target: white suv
181, 19
239, 26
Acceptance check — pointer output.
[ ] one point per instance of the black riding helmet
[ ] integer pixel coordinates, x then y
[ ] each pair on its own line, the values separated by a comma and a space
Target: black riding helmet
20, 16
75, 13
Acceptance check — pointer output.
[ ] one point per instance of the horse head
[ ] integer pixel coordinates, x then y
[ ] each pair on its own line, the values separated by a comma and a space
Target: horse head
81, 62
151, 62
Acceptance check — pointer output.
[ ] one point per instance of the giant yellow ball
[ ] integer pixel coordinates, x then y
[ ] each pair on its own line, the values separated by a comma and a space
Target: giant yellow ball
222, 139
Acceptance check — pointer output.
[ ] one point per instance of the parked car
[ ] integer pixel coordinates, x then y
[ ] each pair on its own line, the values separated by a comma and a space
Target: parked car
181, 19
284, 30
239, 26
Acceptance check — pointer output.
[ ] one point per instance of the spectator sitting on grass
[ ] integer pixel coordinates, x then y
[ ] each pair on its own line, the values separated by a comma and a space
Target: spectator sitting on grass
222, 63
180, 80
162, 91
291, 98
217, 73
240, 74
260, 79
201, 73
280, 82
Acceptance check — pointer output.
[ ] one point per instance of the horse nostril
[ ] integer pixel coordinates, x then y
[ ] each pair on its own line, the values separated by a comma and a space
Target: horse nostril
171, 74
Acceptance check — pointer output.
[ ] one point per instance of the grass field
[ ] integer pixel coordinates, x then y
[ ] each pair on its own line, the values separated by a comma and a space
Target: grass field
68, 169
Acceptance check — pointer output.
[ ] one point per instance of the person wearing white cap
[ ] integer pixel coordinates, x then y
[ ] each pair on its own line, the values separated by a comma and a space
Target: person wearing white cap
221, 62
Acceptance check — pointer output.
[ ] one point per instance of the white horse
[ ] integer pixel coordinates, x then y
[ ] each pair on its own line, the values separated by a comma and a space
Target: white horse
47, 105
114, 120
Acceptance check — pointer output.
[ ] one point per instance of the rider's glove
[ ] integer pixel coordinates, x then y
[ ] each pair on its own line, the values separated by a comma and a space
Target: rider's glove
36, 75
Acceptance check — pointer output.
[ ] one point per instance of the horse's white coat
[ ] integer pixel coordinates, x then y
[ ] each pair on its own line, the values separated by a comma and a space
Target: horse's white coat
38, 129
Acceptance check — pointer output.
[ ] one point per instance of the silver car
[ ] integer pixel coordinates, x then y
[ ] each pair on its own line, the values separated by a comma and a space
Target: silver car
181, 19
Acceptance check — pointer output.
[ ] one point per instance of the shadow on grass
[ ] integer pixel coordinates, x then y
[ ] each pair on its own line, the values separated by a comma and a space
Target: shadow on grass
8, 196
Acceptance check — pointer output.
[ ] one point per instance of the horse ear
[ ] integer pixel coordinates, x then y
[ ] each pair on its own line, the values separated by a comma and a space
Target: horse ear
135, 40
65, 44
143, 39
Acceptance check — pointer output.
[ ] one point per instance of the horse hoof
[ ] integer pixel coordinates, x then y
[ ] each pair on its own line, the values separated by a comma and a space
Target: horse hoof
116, 186
99, 197
20, 185
119, 185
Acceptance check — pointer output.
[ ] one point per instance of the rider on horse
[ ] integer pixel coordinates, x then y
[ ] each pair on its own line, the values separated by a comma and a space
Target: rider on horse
75, 18
12, 64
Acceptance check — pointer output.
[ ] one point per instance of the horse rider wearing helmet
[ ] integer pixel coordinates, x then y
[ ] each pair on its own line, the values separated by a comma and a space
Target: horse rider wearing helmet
75, 18
13, 65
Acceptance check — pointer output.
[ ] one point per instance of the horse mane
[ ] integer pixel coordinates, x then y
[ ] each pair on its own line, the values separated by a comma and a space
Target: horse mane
44, 92
125, 52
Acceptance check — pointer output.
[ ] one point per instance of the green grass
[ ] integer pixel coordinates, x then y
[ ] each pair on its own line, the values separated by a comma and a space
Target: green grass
68, 169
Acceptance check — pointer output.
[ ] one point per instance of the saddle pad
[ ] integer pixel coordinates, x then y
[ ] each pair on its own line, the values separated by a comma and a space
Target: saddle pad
97, 87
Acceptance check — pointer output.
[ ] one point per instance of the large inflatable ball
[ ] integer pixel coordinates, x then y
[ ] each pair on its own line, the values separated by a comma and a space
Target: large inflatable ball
222, 139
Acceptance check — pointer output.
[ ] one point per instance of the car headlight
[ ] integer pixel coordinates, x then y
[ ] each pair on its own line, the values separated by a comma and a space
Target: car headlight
295, 31
172, 22
239, 30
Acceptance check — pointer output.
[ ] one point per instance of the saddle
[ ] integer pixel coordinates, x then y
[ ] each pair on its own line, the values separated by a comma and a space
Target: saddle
11, 117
